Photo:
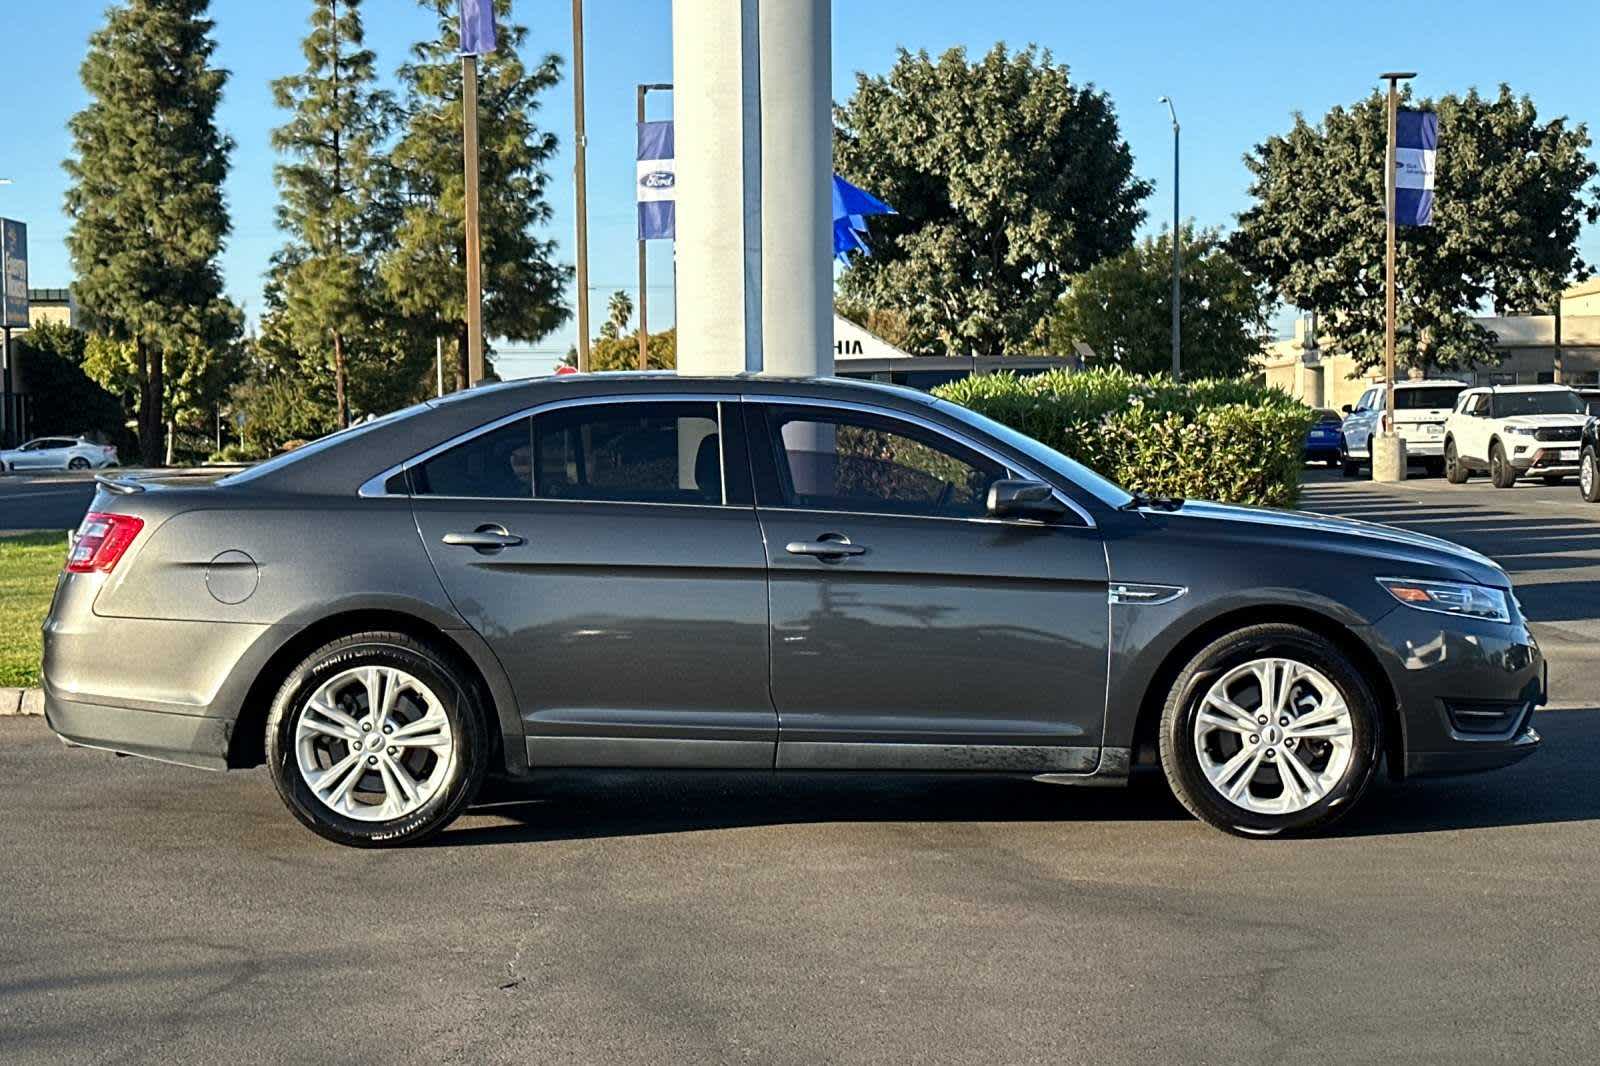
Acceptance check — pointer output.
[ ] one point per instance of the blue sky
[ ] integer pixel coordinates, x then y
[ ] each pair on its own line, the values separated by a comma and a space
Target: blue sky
1237, 69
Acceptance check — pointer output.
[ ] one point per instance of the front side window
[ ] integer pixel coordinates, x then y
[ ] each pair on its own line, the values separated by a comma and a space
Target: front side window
856, 462
629, 453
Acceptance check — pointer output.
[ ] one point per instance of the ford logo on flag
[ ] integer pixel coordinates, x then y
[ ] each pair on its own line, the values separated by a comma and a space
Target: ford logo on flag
658, 179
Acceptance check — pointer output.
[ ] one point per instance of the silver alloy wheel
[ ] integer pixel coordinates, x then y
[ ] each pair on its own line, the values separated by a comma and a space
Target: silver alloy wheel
1586, 474
373, 743
1273, 736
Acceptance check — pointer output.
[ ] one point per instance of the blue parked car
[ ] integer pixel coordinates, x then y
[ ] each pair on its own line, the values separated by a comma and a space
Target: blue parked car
1322, 443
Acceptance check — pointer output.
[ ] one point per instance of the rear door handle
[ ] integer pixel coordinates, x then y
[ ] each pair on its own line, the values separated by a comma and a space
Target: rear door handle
486, 538
827, 546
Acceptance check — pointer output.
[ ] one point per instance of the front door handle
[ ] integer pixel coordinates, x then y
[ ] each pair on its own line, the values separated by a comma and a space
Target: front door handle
827, 546
486, 538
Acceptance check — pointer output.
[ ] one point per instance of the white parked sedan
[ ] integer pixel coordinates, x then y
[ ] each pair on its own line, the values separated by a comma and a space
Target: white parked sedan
59, 453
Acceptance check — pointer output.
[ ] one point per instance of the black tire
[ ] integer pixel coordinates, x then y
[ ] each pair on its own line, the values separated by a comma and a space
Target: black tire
1501, 472
1455, 471
1589, 476
77, 462
1350, 467
462, 777
1181, 764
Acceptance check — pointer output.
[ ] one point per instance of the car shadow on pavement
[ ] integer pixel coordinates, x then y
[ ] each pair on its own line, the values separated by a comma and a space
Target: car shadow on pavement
1556, 784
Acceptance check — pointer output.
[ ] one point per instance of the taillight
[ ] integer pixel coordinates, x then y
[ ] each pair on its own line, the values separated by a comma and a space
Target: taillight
101, 541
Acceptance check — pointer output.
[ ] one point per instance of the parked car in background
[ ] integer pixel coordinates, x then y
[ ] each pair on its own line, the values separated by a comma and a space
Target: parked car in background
1515, 430
59, 453
1322, 440
653, 572
1420, 409
1589, 460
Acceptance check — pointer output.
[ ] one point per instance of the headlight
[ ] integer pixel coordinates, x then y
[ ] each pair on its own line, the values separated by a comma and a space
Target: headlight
1520, 431
1448, 597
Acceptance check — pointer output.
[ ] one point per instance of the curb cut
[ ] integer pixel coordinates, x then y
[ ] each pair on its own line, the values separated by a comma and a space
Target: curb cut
19, 701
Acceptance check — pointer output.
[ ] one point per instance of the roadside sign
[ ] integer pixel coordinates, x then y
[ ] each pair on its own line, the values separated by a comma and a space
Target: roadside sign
13, 274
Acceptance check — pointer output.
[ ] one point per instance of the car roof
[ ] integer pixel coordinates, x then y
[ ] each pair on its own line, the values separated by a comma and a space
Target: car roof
1426, 382
1524, 388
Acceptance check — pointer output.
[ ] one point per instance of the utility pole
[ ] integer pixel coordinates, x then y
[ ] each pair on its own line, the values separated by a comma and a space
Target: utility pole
1392, 465
580, 177
469, 140
1177, 252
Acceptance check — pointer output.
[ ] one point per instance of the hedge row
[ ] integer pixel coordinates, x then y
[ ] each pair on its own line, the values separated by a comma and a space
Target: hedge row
1229, 440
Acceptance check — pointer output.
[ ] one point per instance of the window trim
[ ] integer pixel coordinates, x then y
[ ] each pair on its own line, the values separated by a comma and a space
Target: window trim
981, 447
375, 487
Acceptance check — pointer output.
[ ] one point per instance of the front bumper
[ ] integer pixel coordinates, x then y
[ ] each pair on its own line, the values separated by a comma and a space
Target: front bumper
1542, 457
1466, 690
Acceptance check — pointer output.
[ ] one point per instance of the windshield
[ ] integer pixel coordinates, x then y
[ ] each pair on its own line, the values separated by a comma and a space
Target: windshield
1428, 398
1105, 491
1547, 402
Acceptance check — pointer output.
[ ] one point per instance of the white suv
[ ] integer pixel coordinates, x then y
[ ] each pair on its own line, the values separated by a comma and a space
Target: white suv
1420, 408
1513, 430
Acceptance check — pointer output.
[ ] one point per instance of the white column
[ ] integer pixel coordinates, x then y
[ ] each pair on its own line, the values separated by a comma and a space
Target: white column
754, 132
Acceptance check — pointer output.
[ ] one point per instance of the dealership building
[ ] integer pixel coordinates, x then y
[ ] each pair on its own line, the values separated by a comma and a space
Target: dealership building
1527, 345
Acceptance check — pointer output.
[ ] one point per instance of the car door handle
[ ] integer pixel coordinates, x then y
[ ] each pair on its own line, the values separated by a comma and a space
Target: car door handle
824, 548
488, 538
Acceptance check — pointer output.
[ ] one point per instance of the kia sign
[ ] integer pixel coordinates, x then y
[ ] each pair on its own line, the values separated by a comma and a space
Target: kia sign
13, 274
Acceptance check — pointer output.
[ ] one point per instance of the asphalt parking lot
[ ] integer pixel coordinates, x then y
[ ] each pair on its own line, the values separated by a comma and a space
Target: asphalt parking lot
155, 914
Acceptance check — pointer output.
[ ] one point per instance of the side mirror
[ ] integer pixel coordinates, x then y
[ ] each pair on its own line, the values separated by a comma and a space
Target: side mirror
1024, 499
1347, 409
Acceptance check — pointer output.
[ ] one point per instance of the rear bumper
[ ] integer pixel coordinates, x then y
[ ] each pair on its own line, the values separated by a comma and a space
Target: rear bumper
191, 740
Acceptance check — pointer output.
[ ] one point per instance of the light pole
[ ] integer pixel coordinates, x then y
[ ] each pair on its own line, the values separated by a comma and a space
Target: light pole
1177, 251
580, 145
1388, 449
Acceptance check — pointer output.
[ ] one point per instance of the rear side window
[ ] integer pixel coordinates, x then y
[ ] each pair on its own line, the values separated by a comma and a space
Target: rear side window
497, 464
629, 453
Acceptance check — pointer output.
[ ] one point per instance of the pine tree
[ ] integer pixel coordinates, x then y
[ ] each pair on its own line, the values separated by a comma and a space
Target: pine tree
425, 271
332, 187
146, 202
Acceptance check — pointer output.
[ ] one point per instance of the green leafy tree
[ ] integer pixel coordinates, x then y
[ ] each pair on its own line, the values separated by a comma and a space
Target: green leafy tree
425, 271
65, 399
333, 190
1511, 193
1122, 308
619, 312
1008, 179
146, 202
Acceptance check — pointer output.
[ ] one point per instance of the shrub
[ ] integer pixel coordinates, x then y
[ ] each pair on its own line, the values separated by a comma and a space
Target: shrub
1227, 439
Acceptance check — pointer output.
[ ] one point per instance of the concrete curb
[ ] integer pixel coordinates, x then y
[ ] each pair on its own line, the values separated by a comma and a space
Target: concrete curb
14, 701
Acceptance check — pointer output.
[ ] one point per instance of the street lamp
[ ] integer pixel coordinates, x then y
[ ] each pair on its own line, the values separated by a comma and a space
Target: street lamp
1388, 449
1177, 249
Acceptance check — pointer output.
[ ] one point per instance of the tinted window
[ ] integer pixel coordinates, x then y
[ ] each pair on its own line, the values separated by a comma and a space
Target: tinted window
1428, 397
629, 452
1511, 404
497, 464
861, 462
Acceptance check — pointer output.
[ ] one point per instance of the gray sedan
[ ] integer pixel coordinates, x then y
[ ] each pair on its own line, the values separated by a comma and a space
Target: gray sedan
650, 571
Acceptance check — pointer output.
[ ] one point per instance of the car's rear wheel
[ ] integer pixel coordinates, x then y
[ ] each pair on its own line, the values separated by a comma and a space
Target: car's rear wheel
1455, 471
1589, 476
376, 739
1268, 729
77, 462
1501, 472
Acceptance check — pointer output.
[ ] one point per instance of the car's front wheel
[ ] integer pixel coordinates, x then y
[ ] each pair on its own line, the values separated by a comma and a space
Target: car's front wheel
376, 739
1501, 472
1268, 729
1589, 476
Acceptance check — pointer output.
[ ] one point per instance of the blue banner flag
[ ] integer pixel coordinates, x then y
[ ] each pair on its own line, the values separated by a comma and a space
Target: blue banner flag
1416, 146
477, 27
851, 206
657, 182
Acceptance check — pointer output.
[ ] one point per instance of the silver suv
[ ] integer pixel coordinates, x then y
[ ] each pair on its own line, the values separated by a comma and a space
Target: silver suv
1420, 409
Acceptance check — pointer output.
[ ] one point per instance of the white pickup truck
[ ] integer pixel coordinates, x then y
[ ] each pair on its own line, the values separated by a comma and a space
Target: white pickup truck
1515, 430
1420, 408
